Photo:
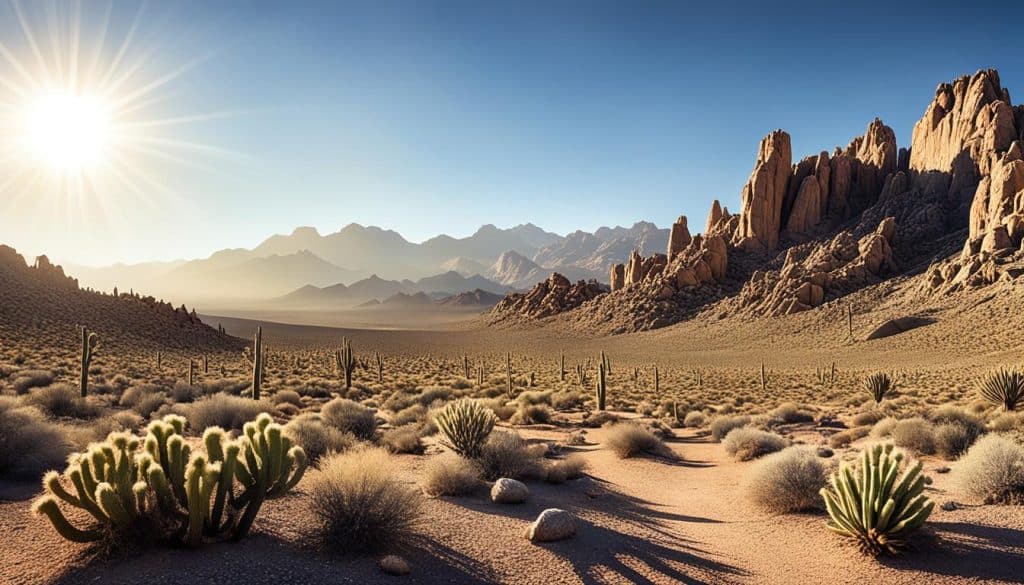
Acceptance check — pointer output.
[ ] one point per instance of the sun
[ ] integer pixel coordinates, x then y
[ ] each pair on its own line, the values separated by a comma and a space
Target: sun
68, 132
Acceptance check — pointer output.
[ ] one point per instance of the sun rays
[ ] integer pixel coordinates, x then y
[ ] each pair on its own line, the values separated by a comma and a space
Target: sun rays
88, 118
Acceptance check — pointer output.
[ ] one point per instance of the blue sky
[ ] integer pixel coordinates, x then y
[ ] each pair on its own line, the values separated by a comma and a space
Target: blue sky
431, 117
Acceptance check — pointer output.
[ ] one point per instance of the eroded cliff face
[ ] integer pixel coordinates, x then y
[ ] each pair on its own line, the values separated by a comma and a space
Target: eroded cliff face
821, 228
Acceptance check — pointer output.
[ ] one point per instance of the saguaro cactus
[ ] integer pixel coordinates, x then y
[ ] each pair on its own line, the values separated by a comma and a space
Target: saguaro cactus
602, 383
561, 366
256, 357
508, 373
90, 343
345, 360
380, 367
872, 506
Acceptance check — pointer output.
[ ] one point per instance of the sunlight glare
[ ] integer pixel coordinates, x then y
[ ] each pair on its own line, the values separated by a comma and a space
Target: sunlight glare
68, 132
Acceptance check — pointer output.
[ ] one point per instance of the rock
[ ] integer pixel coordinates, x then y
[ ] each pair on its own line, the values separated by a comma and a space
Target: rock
394, 565
550, 297
618, 276
825, 452
679, 238
949, 506
715, 217
887, 229
509, 491
634, 270
552, 524
760, 214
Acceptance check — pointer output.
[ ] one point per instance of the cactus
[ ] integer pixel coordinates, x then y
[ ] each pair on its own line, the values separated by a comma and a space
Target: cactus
607, 363
581, 376
206, 364
849, 320
602, 383
380, 367
345, 361
657, 380
508, 374
159, 360
561, 366
480, 375
465, 425
879, 385
1003, 387
465, 366
267, 468
871, 505
191, 372
764, 378
90, 343
257, 359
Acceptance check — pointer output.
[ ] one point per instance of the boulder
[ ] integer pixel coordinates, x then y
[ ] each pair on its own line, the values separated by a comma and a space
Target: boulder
679, 238
552, 524
394, 565
509, 491
618, 276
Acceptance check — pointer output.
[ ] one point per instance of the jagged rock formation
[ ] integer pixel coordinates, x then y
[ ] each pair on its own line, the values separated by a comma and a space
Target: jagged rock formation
41, 302
679, 238
550, 297
761, 212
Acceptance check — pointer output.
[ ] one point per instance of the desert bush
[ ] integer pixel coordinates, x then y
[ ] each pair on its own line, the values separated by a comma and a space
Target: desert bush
62, 400
287, 397
30, 379
534, 397
183, 393
844, 438
450, 475
411, 414
873, 506
791, 412
359, 504
317, 439
403, 439
879, 385
508, 455
222, 410
787, 481
883, 428
914, 434
531, 414
464, 426
629, 439
645, 409
1005, 422
1003, 387
349, 416
149, 404
992, 471
867, 418
598, 419
745, 443
954, 439
567, 400
29, 444
571, 467
722, 425
434, 394
695, 419
132, 395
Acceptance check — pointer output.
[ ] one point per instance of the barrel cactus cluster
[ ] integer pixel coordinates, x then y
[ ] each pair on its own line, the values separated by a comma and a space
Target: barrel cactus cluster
157, 484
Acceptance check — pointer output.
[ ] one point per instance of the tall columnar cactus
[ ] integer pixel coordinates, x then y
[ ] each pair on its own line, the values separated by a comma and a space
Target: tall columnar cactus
657, 380
268, 467
108, 485
256, 358
508, 374
879, 385
607, 363
465, 425
90, 343
602, 383
380, 367
561, 366
1003, 387
764, 378
191, 372
345, 360
873, 506
465, 366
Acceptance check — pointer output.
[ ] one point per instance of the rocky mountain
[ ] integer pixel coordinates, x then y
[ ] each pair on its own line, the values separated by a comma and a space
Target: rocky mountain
376, 288
453, 282
475, 298
39, 301
946, 213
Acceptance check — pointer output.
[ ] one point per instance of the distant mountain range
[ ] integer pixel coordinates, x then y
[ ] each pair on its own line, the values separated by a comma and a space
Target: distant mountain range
358, 263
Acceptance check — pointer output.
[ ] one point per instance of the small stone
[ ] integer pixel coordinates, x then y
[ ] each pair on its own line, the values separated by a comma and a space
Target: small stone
394, 565
949, 506
942, 469
825, 452
552, 524
509, 491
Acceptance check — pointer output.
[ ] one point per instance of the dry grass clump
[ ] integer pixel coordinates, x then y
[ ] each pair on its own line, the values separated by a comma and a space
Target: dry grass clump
844, 438
62, 400
790, 413
405, 439
561, 470
222, 410
183, 393
745, 443
30, 379
358, 503
722, 425
630, 439
29, 444
883, 428
349, 416
916, 435
992, 471
287, 397
955, 431
695, 419
532, 414
411, 414
598, 419
1006, 422
450, 475
787, 481
868, 417
568, 400
317, 439
509, 455
534, 397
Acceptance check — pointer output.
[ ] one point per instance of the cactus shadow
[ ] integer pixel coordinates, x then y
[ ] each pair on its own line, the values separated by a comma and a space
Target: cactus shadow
967, 550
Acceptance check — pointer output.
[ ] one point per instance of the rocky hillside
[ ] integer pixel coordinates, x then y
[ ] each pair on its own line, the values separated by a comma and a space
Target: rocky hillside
945, 214
40, 302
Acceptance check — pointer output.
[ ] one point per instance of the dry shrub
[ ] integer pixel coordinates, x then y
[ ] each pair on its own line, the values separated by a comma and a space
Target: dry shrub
222, 410
450, 475
953, 439
915, 435
30, 379
844, 438
1006, 422
29, 444
531, 414
404, 439
287, 397
790, 413
695, 419
992, 471
359, 504
567, 400
746, 443
721, 426
63, 400
599, 419
571, 467
509, 455
412, 414
350, 417
183, 393
630, 439
534, 397
434, 394
316, 438
867, 418
149, 404
787, 481
883, 428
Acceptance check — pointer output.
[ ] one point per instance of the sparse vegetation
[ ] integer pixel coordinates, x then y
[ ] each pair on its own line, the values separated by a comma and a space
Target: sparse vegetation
787, 481
464, 426
1003, 387
745, 443
629, 439
992, 471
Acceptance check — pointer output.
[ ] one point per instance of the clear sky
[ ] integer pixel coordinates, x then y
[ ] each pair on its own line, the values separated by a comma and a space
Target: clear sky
437, 117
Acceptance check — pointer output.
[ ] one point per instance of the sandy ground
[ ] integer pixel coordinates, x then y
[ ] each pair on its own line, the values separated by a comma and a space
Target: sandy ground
641, 520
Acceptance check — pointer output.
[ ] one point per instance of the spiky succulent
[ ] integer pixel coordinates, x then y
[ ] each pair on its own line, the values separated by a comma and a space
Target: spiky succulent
873, 504
1003, 387
464, 426
879, 385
